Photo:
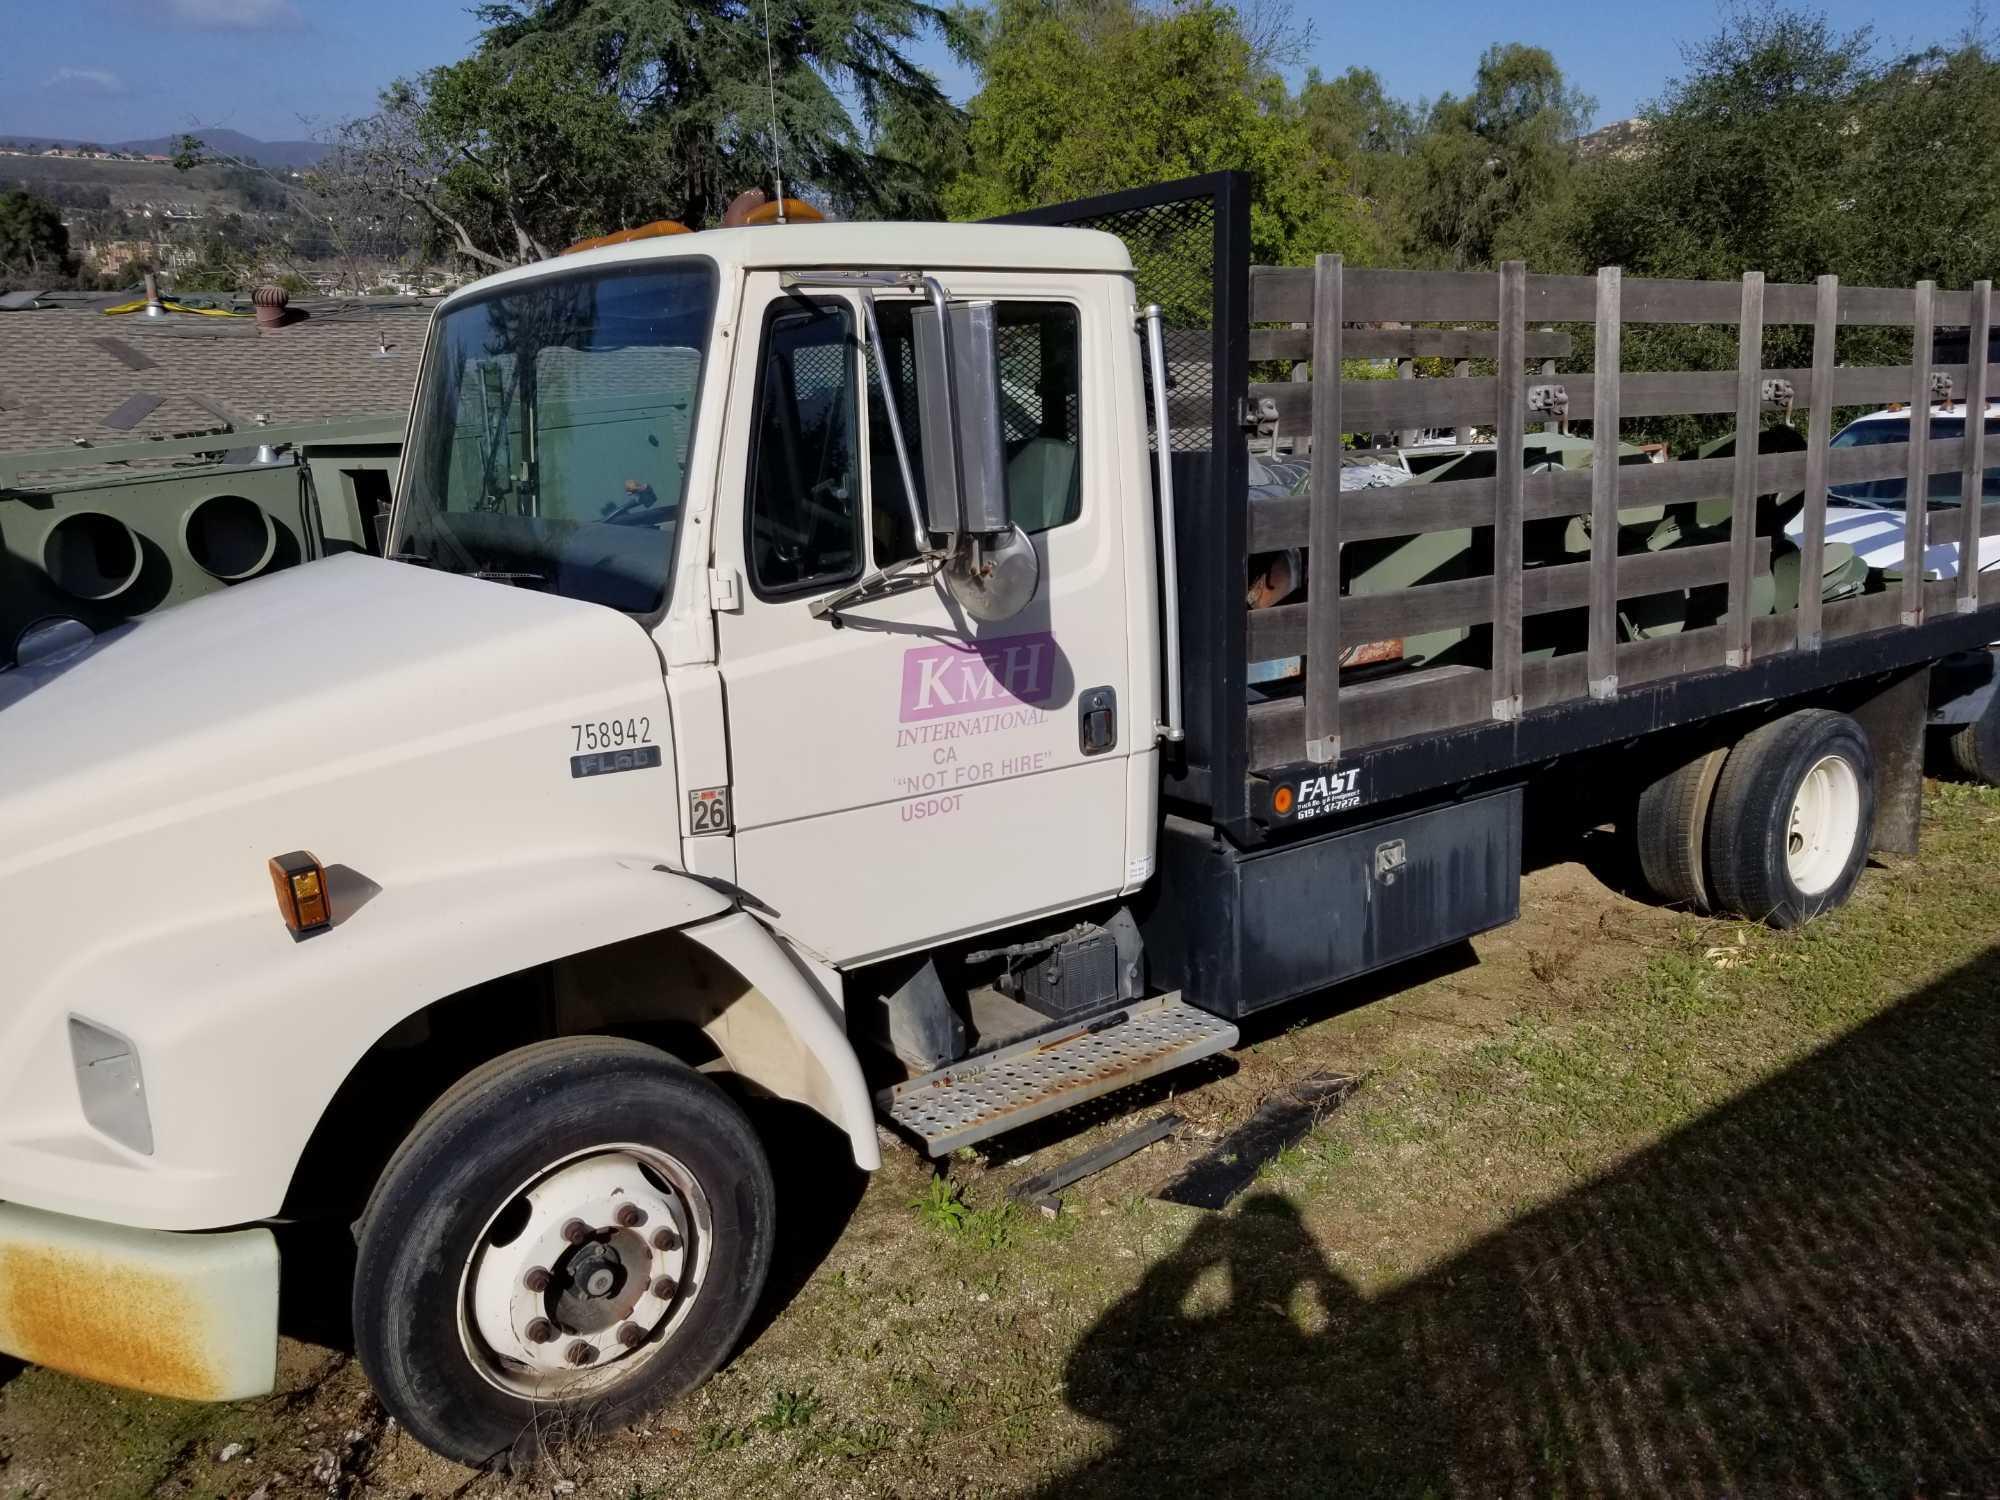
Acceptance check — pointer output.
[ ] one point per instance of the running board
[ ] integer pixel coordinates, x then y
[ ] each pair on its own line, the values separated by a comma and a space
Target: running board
1012, 1085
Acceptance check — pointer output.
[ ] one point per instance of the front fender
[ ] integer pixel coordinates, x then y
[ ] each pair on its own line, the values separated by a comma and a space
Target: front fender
812, 1014
244, 1034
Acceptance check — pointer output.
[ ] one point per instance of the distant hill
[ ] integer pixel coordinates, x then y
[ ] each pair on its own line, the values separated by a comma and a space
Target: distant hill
222, 142
1621, 140
235, 143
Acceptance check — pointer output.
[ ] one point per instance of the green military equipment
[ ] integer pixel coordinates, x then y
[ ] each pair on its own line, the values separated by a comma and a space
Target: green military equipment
99, 537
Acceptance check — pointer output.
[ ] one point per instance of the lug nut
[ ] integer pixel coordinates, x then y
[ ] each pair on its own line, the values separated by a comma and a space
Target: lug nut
537, 1280
541, 1331
664, 1288
576, 1231
580, 1353
630, 1215
665, 1239
631, 1335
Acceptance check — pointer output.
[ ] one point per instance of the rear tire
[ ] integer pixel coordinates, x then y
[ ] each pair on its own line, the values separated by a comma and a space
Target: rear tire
1794, 810
575, 1233
1670, 829
1975, 747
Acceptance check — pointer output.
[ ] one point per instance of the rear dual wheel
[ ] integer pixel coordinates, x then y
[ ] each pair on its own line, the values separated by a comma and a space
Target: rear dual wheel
1975, 747
1775, 829
575, 1233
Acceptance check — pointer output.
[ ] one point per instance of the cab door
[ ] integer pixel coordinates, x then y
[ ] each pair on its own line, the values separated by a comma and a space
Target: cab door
907, 774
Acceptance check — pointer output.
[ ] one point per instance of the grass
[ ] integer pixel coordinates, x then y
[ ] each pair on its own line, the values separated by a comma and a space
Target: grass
1642, 1201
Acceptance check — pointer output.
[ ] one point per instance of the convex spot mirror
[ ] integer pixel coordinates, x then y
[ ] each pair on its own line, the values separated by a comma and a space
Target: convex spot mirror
995, 572
994, 577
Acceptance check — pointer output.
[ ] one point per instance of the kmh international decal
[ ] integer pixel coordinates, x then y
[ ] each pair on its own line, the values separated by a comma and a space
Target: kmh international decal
947, 680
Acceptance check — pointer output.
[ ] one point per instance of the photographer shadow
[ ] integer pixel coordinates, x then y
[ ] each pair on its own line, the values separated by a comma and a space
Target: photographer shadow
1798, 1292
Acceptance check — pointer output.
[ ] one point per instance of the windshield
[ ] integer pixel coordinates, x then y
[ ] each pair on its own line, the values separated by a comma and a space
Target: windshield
1890, 494
553, 424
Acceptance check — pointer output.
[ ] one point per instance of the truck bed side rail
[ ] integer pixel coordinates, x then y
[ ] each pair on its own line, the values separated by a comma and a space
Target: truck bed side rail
1570, 577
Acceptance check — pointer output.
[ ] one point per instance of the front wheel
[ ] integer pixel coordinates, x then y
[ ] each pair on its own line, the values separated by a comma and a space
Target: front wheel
575, 1233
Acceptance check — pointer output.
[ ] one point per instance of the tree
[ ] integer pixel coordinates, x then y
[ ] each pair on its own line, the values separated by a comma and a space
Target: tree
218, 268
1791, 148
1353, 122
1925, 166
1747, 161
575, 117
1087, 96
33, 242
1498, 153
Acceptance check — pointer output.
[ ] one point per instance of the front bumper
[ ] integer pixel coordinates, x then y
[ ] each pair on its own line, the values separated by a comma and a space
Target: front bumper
188, 1315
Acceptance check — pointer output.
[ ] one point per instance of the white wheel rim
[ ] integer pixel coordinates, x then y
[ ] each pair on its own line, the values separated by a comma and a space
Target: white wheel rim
1825, 821
618, 1287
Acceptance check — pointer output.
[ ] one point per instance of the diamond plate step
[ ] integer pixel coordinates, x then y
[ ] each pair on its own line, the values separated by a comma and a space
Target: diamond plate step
985, 1095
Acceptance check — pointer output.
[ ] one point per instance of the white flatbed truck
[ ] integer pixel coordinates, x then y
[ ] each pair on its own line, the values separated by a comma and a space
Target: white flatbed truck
772, 691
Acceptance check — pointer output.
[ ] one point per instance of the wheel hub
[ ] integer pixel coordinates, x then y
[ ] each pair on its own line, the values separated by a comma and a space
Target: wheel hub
1824, 824
577, 1276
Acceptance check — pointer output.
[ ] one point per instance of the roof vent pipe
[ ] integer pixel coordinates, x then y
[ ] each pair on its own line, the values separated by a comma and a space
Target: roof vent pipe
271, 302
154, 307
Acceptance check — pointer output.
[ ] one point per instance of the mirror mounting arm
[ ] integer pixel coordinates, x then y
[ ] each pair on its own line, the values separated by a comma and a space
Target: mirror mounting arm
880, 351
867, 282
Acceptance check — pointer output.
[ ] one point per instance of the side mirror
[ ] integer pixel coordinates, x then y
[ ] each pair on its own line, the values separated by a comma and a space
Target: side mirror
995, 572
958, 414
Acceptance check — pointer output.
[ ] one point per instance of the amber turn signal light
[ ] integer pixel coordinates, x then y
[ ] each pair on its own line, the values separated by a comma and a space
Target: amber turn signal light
300, 882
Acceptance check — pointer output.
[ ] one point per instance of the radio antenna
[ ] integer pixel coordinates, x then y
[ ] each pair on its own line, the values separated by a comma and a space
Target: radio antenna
777, 149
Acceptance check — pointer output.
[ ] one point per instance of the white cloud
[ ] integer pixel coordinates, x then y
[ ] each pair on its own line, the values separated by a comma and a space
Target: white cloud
86, 81
234, 15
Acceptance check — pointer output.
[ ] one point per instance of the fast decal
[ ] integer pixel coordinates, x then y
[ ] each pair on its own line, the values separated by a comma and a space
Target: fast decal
1335, 791
954, 698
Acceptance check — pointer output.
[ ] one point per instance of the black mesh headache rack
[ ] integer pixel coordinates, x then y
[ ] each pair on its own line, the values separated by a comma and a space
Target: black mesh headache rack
1567, 593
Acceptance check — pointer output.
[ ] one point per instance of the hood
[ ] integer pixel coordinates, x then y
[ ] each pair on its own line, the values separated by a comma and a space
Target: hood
403, 725
306, 676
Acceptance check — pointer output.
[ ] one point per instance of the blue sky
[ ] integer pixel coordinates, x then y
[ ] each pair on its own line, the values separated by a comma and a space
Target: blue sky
283, 69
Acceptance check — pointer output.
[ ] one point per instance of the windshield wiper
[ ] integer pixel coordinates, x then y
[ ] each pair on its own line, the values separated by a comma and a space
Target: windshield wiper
880, 584
497, 575
502, 576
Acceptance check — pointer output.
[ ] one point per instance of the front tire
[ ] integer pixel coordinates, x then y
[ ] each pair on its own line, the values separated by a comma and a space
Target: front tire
575, 1233
1794, 810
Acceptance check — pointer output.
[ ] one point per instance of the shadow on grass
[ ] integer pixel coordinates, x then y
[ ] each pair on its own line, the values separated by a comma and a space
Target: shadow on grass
1798, 1293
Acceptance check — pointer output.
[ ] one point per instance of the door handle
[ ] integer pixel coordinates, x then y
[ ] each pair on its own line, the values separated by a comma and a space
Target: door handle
1097, 720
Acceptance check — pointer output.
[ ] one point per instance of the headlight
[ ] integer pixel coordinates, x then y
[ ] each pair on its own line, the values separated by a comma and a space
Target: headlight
110, 1085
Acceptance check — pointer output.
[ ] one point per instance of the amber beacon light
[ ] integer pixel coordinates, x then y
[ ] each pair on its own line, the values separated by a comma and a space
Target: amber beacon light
300, 882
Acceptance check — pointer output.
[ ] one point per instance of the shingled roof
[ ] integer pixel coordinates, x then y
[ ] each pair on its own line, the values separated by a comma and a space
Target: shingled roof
71, 376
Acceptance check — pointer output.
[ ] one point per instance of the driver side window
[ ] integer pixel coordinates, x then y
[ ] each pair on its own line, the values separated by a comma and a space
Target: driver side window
804, 515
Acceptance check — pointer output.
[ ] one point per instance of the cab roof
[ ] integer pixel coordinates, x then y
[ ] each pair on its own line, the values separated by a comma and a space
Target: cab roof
863, 246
